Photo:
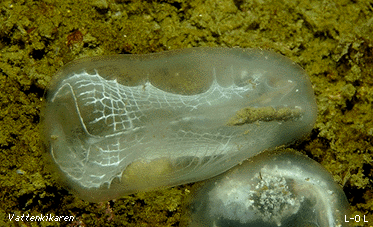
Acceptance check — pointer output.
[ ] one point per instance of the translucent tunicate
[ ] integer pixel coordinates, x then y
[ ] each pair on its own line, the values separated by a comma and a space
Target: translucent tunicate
281, 188
115, 125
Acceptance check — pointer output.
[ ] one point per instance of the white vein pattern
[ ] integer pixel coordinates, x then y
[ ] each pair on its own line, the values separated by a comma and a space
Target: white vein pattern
118, 126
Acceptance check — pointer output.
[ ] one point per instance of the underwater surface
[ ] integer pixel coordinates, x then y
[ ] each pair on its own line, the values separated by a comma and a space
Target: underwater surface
332, 41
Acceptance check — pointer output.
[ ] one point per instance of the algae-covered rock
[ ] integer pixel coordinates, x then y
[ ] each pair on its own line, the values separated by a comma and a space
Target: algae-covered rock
331, 40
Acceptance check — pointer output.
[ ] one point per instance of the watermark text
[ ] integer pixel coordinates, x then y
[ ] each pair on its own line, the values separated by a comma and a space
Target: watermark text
357, 218
40, 218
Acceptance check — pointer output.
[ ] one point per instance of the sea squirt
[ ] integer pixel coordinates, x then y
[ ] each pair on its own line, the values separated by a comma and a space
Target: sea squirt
116, 125
280, 188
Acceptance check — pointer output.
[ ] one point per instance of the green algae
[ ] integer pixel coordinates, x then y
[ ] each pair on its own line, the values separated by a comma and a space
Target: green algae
333, 41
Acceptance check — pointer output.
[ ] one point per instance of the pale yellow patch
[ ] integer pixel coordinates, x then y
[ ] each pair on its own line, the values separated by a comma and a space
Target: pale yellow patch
145, 176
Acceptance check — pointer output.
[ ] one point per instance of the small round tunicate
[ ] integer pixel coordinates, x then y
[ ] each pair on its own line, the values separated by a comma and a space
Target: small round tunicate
279, 188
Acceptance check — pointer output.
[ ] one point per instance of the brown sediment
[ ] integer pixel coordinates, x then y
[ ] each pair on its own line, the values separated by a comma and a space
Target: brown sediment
249, 115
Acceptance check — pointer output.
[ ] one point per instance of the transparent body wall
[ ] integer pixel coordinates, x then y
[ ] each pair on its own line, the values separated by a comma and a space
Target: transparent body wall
116, 125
